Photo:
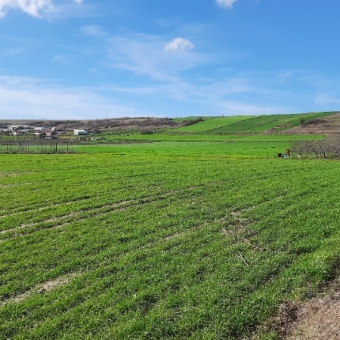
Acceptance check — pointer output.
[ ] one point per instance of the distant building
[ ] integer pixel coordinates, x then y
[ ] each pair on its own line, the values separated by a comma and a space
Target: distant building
40, 128
18, 127
80, 132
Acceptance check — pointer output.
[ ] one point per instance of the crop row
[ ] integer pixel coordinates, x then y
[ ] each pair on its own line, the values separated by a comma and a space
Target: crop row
262, 123
212, 123
160, 247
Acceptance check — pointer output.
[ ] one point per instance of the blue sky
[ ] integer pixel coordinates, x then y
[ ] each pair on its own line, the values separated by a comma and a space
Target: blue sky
86, 59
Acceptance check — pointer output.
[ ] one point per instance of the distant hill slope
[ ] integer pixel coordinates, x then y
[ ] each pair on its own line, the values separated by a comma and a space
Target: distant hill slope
294, 123
208, 124
323, 125
303, 123
104, 125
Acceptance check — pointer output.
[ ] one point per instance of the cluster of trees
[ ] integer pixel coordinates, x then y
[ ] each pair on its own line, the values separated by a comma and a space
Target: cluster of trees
326, 148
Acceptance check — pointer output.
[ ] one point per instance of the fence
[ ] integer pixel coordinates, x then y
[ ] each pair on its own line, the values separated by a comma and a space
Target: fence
35, 146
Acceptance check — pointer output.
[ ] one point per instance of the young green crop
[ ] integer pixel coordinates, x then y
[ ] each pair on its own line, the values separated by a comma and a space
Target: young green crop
161, 241
209, 124
263, 123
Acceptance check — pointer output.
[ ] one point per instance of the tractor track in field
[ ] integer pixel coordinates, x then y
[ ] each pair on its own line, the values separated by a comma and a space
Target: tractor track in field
91, 212
41, 208
37, 206
61, 221
48, 286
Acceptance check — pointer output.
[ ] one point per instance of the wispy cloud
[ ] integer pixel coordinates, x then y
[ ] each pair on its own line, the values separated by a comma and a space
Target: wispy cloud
71, 8
29, 98
226, 3
63, 59
239, 108
327, 99
231, 96
147, 55
94, 31
162, 66
15, 51
34, 98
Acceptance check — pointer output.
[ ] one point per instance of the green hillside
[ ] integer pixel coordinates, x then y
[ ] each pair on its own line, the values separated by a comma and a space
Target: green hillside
212, 123
251, 124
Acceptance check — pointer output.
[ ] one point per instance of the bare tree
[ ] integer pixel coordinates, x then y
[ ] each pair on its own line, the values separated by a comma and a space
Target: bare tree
329, 147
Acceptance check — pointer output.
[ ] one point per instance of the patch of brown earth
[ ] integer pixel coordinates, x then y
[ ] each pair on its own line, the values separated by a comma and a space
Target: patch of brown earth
238, 230
41, 289
318, 318
327, 125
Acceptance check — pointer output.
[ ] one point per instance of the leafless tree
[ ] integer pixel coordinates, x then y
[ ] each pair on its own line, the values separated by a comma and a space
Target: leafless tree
326, 148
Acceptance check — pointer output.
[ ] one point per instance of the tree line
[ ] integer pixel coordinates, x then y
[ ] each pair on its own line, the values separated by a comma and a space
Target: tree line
326, 148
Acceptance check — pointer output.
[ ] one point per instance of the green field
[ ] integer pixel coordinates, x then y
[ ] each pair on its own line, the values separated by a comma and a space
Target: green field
251, 124
178, 239
208, 124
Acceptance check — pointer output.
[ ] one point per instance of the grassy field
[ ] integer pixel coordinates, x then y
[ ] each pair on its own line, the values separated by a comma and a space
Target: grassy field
251, 124
168, 240
173, 137
208, 123
192, 148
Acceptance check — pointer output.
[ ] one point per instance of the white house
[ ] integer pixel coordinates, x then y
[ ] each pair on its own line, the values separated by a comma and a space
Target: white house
80, 132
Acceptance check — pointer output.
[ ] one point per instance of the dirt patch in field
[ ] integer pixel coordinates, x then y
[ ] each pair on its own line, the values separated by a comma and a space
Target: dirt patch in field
50, 285
41, 289
318, 318
238, 224
327, 125
173, 236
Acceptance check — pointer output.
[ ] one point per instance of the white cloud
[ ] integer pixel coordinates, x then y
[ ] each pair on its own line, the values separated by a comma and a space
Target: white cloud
179, 44
31, 7
226, 3
34, 8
